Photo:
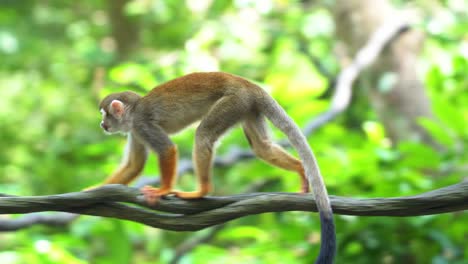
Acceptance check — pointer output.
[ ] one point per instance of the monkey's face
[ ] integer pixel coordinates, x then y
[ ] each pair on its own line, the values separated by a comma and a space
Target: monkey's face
114, 118
108, 123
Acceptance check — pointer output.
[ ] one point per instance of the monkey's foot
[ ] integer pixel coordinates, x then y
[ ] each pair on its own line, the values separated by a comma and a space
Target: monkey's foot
305, 188
189, 195
152, 194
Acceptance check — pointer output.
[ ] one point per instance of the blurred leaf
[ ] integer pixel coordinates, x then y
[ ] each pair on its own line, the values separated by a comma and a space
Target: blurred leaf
438, 132
132, 73
244, 232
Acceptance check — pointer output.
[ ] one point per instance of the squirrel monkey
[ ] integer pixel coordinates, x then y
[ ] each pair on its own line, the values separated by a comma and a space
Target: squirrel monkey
219, 101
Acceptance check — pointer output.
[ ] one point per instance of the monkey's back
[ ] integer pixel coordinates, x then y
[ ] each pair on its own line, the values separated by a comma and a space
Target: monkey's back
184, 100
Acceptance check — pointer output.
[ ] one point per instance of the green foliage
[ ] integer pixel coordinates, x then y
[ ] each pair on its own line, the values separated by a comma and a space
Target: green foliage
58, 58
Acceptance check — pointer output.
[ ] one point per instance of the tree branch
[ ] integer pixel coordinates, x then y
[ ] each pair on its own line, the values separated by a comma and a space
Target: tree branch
364, 58
118, 201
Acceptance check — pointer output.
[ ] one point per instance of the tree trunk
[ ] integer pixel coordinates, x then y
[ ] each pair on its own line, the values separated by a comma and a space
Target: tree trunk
392, 84
124, 29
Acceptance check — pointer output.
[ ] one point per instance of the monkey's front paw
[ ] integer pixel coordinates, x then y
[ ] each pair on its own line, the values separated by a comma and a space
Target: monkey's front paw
151, 194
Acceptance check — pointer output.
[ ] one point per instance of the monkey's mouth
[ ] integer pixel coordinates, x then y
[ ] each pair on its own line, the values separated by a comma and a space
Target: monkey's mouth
105, 127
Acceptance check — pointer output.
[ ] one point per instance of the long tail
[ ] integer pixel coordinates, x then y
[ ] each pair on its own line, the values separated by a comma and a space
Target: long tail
276, 114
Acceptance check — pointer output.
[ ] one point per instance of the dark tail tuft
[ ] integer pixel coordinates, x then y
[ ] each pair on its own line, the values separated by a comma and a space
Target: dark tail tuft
328, 245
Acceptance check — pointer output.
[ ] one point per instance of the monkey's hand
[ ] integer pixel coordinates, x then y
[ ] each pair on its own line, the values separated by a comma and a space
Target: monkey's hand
152, 194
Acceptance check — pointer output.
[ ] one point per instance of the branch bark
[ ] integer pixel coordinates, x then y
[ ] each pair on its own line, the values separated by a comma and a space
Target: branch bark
118, 201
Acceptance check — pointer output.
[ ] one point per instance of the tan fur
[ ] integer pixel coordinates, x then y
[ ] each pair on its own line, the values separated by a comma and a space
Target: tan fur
218, 101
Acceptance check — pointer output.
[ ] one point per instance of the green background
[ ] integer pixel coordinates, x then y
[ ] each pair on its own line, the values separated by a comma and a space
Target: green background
57, 59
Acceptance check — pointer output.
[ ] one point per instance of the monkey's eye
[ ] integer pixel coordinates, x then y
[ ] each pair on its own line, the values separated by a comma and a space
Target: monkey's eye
103, 113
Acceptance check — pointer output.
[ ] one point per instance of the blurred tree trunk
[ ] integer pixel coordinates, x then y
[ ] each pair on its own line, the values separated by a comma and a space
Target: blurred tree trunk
392, 84
124, 28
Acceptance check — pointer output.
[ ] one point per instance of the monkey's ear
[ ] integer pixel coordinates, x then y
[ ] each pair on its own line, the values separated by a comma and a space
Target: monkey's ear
117, 108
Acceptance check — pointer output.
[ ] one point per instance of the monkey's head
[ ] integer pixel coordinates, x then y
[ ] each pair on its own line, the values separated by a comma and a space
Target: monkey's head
116, 110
